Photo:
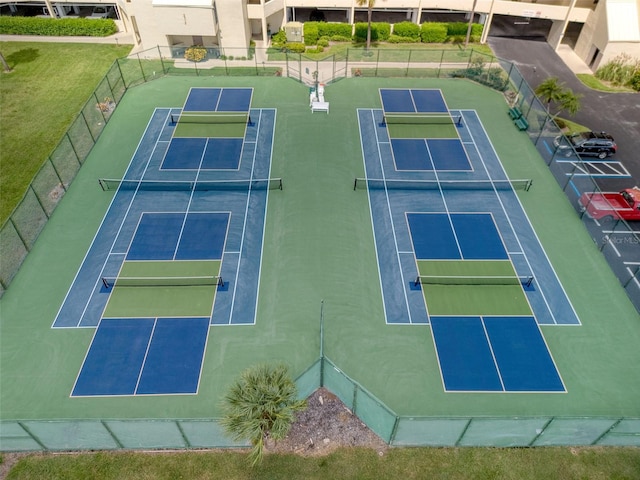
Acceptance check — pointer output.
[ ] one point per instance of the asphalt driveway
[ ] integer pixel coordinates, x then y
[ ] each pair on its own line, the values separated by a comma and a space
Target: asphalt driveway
614, 113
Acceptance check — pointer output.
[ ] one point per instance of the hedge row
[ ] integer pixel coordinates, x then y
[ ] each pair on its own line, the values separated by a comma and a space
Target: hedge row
403, 32
63, 27
313, 31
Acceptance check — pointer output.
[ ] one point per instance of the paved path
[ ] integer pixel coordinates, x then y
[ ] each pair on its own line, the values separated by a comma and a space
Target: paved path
615, 113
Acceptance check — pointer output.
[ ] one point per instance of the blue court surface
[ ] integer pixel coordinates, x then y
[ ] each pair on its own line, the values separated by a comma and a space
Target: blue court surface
218, 100
176, 236
412, 101
494, 354
469, 236
144, 356
411, 154
203, 154
163, 215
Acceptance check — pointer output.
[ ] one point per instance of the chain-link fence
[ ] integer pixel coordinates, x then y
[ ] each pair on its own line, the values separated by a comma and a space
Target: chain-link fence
615, 237
397, 430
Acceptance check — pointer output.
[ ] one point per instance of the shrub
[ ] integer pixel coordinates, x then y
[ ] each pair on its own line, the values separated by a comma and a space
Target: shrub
619, 71
331, 29
495, 78
57, 27
398, 39
457, 28
317, 49
380, 31
311, 34
323, 42
295, 47
406, 29
635, 82
340, 38
196, 53
433, 32
279, 39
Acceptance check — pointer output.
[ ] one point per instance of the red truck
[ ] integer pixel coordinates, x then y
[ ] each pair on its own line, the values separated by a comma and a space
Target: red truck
609, 206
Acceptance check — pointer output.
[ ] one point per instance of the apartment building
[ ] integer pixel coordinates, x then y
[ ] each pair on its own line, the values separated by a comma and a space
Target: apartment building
597, 30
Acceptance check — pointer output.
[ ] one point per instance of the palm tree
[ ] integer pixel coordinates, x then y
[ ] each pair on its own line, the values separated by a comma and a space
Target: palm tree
370, 4
570, 102
261, 406
550, 90
553, 91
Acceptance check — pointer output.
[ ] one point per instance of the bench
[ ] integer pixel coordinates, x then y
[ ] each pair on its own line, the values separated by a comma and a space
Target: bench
320, 107
515, 113
521, 123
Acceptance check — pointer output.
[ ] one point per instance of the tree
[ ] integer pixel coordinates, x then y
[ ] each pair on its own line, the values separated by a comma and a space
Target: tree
552, 91
261, 406
370, 4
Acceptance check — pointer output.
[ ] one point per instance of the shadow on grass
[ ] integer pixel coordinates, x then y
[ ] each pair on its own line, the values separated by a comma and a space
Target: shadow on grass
25, 55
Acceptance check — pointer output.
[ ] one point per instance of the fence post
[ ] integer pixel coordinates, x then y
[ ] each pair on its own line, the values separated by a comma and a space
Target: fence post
161, 61
394, 430
144, 78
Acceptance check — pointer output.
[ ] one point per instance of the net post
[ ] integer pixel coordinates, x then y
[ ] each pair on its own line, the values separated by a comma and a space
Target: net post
417, 281
105, 282
528, 186
355, 183
459, 121
102, 185
220, 282
529, 281
249, 121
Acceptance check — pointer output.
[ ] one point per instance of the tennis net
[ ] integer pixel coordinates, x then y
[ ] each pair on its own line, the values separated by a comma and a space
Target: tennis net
421, 119
389, 184
473, 280
211, 117
110, 282
201, 185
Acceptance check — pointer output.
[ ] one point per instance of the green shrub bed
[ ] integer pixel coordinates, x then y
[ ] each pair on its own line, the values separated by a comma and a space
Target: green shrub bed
54, 27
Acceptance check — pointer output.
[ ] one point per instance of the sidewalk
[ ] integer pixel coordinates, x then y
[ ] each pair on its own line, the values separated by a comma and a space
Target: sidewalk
573, 61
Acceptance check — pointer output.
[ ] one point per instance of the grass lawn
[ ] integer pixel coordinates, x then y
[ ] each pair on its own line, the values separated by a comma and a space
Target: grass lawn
596, 84
48, 85
357, 463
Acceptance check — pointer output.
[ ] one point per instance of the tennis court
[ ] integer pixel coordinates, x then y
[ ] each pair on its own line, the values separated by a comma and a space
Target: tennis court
462, 294
182, 238
460, 259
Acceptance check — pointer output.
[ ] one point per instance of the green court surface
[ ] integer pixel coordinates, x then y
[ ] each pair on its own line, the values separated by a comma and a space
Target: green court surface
164, 288
318, 255
470, 287
211, 124
422, 130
